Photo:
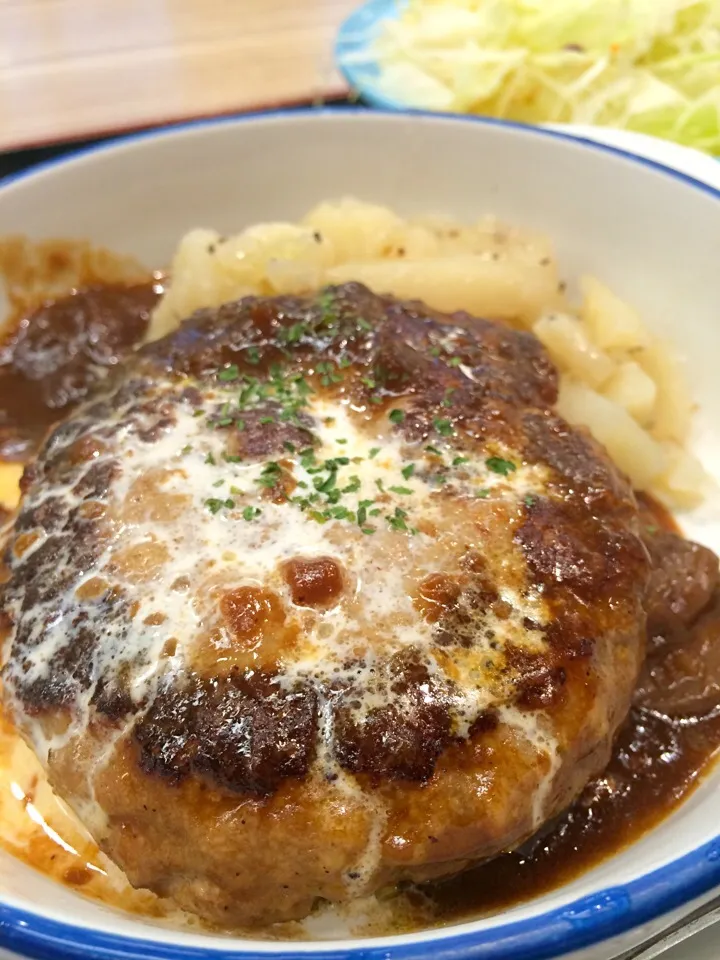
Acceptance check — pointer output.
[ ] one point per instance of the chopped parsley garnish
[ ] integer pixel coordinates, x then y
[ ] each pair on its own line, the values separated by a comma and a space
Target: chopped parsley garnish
328, 314
270, 475
362, 511
454, 362
287, 415
498, 465
246, 395
325, 485
214, 505
307, 458
482, 493
329, 373
530, 500
293, 333
187, 448
443, 427
435, 351
368, 382
323, 493
460, 460
438, 453
397, 520
446, 401
199, 412
229, 373
362, 324
302, 386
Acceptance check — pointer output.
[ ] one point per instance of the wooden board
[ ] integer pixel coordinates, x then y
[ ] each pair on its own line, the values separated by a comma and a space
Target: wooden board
73, 69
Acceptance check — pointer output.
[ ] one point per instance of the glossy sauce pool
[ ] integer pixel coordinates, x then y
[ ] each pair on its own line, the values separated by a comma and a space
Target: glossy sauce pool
51, 356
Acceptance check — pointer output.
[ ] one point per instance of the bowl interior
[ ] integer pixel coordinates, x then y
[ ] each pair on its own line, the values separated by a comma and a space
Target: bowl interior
650, 234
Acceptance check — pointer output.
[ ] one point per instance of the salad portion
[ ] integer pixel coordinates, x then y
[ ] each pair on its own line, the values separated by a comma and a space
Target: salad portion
651, 66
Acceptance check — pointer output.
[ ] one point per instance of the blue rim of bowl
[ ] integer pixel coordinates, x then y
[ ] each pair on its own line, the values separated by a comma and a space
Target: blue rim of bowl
581, 923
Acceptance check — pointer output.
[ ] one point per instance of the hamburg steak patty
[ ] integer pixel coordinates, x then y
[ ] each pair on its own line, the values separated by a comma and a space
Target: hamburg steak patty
319, 595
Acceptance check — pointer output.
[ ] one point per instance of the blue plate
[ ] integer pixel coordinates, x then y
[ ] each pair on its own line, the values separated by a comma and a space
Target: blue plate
355, 55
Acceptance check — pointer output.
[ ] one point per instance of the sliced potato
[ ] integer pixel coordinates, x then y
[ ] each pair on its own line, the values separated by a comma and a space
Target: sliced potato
631, 448
357, 230
611, 323
673, 408
266, 259
486, 287
416, 243
685, 481
570, 347
195, 282
631, 387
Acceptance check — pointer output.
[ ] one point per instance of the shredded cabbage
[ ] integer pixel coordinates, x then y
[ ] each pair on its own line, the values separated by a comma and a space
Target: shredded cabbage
647, 65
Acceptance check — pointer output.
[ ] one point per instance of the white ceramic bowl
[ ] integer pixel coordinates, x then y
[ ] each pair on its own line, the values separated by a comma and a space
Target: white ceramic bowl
650, 232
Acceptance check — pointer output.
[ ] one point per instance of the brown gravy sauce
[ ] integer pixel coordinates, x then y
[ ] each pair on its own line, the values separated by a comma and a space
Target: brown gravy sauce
56, 350
51, 355
655, 765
